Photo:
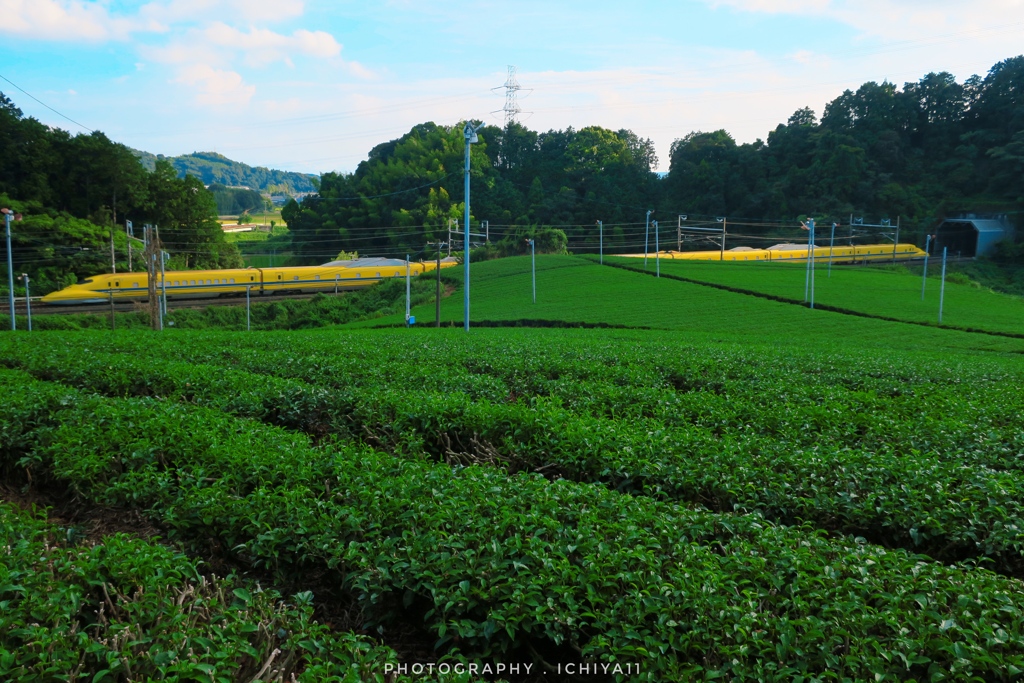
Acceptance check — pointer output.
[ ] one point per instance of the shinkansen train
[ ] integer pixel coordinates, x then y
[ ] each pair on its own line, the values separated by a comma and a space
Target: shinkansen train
205, 284
862, 253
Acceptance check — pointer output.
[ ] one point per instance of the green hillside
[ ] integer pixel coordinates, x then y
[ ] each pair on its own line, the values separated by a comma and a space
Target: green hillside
579, 291
211, 168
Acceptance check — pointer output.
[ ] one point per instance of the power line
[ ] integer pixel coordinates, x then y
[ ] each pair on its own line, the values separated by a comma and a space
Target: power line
46, 105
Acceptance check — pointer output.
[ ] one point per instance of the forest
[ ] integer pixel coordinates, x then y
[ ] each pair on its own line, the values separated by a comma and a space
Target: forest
931, 149
920, 152
76, 193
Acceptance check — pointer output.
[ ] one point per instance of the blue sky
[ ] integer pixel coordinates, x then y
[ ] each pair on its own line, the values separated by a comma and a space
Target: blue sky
311, 85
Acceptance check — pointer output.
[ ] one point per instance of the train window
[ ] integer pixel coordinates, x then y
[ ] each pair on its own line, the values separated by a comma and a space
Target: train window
378, 274
252, 279
278, 277
192, 282
232, 280
208, 282
117, 284
295, 278
359, 275
216, 281
316, 277
135, 284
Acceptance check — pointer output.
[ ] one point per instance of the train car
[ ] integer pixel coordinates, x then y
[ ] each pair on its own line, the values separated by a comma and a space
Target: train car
205, 284
865, 253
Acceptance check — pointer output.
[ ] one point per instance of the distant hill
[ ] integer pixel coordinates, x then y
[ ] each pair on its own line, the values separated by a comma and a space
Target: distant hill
211, 168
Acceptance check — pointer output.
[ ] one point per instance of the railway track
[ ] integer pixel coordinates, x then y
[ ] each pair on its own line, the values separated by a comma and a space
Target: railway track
39, 308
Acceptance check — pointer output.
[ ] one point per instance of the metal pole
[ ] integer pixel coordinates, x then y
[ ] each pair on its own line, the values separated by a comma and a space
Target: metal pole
647, 232
336, 276
600, 228
128, 235
113, 262
896, 240
657, 252
831, 242
248, 317
437, 296
163, 280
110, 295
408, 291
533, 263
722, 256
807, 275
942, 287
465, 242
924, 273
10, 270
811, 223
28, 301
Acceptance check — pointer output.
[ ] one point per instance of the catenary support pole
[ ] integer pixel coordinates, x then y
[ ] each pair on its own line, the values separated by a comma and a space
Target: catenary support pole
942, 287
408, 292
721, 256
8, 217
657, 252
647, 232
533, 268
128, 236
248, 316
811, 255
600, 230
110, 295
831, 243
163, 280
28, 301
924, 272
437, 295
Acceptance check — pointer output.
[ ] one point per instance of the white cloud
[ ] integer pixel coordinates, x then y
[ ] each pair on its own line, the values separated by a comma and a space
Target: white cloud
263, 46
216, 87
67, 20
895, 19
193, 11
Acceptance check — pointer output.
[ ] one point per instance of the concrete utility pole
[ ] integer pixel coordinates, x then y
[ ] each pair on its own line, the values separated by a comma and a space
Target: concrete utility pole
600, 232
724, 223
150, 255
470, 134
129, 234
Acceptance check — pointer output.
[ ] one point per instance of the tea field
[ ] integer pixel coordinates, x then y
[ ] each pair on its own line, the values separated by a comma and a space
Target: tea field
700, 508
890, 292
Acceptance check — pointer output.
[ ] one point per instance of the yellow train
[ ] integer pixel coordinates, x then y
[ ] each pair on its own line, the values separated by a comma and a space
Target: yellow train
205, 284
794, 252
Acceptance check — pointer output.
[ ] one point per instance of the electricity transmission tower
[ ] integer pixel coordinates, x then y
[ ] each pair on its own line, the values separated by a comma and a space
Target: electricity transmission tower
512, 88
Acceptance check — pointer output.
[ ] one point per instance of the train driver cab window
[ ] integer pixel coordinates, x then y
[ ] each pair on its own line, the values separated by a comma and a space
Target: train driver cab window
252, 279
278, 277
